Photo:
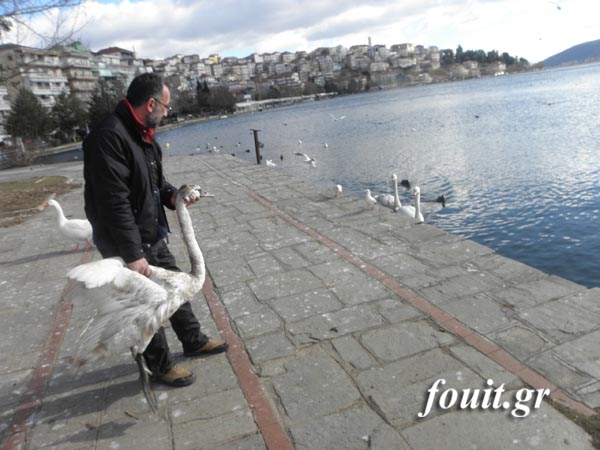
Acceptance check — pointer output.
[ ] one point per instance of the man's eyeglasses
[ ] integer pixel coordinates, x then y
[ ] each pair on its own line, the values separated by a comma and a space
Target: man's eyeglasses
167, 107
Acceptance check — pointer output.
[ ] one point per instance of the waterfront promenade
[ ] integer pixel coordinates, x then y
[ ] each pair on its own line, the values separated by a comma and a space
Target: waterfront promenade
340, 319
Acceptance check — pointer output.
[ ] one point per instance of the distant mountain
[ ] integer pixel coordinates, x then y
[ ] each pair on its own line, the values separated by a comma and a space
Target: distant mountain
578, 54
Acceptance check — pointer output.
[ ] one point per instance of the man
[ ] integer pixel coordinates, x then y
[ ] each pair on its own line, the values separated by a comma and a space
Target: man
125, 192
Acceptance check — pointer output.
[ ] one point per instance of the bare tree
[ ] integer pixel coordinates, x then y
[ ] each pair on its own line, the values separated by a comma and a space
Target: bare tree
15, 14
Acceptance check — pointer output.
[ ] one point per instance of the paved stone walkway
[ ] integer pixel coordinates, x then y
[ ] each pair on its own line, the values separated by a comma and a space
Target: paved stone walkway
340, 319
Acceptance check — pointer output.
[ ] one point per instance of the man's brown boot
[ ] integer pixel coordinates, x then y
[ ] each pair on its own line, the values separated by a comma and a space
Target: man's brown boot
212, 347
178, 376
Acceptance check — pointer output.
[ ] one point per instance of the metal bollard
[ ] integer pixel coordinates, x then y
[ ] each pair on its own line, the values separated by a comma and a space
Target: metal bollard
256, 145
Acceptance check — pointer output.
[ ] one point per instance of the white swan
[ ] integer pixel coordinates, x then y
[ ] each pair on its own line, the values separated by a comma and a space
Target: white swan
338, 190
414, 212
418, 214
131, 307
394, 202
79, 230
307, 159
270, 163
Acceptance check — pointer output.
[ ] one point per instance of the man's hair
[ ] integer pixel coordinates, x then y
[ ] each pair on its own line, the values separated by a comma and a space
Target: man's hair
144, 87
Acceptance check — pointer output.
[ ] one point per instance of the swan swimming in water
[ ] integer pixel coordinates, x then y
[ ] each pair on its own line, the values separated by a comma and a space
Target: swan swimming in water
131, 308
414, 212
388, 200
79, 230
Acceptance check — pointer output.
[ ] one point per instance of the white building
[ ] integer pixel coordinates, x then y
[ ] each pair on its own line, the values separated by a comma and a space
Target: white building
76, 62
403, 50
36, 70
379, 67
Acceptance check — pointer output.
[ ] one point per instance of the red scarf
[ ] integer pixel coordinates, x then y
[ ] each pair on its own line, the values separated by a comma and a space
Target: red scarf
147, 133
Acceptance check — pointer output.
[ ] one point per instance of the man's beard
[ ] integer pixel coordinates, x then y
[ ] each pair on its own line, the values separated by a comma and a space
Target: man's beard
153, 120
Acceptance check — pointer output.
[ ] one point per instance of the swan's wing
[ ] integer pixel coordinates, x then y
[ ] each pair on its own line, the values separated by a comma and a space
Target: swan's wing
97, 273
130, 308
386, 199
407, 211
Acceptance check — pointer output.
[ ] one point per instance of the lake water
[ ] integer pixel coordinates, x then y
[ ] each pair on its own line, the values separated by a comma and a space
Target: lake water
517, 157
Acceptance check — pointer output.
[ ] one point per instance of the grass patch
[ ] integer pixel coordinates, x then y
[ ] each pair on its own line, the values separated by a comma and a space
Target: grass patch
21, 199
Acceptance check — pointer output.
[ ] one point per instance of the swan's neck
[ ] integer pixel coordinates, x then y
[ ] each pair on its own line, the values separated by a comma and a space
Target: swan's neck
397, 203
417, 206
189, 238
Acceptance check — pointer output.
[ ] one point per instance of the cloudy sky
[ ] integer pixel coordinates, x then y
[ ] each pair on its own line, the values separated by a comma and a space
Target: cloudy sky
532, 29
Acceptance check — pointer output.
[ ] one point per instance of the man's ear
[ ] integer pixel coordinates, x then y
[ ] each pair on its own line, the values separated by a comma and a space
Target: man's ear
150, 106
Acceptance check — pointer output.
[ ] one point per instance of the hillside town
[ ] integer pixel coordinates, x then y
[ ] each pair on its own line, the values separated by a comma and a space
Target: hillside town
75, 69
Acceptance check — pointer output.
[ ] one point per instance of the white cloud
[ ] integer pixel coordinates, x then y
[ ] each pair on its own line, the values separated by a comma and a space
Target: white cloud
534, 29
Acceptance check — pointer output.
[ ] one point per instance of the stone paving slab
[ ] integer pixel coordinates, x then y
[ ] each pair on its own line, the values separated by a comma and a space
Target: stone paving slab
449, 432
351, 429
343, 357
314, 385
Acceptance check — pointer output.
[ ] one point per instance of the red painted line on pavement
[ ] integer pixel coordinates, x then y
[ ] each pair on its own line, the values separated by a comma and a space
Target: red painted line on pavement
269, 426
30, 402
439, 316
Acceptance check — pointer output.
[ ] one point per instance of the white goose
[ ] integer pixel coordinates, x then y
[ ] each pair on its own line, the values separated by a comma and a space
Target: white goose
132, 307
79, 230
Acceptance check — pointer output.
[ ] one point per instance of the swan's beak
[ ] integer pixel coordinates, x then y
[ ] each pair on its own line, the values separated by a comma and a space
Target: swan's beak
203, 194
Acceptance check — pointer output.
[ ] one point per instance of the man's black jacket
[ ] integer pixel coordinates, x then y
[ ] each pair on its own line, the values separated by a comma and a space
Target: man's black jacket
121, 194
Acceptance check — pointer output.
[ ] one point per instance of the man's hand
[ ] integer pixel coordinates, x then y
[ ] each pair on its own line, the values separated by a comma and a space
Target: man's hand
185, 202
140, 266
